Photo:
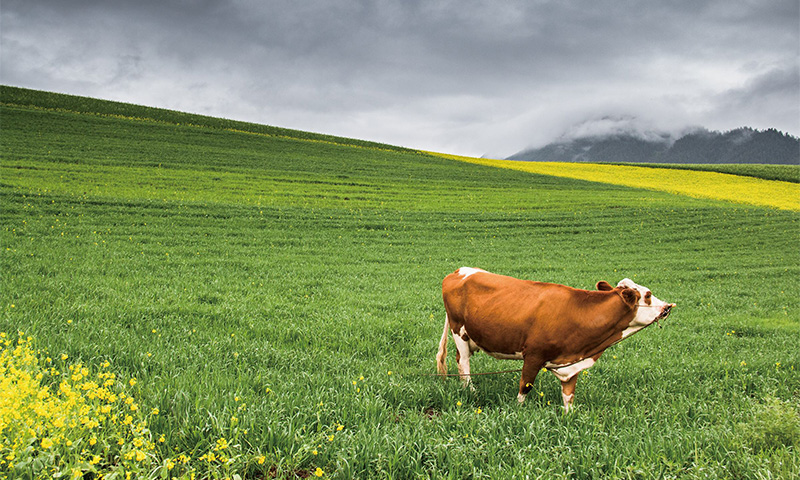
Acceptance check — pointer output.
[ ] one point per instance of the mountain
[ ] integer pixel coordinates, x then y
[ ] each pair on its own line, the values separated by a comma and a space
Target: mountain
742, 145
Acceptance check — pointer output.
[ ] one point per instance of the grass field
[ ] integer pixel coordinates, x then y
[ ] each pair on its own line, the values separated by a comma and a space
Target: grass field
270, 305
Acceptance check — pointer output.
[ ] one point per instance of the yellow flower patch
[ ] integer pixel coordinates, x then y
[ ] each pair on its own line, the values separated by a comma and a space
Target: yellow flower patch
697, 184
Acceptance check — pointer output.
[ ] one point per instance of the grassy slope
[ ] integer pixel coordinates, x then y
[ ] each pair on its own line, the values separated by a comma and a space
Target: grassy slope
213, 264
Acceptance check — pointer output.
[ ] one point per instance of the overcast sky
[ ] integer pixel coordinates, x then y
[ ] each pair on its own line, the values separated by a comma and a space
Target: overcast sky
470, 77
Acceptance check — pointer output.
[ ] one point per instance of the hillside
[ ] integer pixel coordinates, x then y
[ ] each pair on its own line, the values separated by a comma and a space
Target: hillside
740, 146
179, 299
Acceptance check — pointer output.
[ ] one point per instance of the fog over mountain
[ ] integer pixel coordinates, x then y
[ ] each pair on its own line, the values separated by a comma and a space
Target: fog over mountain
624, 139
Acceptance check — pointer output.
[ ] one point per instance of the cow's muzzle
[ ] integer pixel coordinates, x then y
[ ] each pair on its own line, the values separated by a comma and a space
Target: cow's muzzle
665, 312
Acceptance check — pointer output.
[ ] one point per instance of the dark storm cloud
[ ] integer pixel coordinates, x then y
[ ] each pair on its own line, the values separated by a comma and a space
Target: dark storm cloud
466, 77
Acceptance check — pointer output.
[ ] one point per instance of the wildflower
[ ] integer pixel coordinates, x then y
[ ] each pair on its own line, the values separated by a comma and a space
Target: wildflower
132, 381
154, 411
319, 472
742, 363
222, 444
47, 443
478, 410
458, 403
261, 459
389, 372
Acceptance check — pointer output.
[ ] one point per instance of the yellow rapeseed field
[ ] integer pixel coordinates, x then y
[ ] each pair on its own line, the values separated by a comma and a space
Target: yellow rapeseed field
712, 185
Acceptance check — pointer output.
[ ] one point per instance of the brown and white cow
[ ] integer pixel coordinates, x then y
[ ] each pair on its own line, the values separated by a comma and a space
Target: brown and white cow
560, 328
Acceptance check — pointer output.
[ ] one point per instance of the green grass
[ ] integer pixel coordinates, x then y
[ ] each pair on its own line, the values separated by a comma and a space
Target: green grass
213, 265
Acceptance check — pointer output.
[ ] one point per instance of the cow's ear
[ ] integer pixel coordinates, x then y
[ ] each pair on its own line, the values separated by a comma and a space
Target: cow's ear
630, 296
604, 286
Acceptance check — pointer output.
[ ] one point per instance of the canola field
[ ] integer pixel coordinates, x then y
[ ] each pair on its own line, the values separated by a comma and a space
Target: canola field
700, 184
186, 297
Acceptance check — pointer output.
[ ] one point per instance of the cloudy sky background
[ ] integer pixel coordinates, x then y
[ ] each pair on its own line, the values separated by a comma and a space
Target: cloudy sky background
468, 77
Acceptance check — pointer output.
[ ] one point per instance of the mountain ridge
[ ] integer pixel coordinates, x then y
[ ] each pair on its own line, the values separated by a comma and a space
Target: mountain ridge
699, 146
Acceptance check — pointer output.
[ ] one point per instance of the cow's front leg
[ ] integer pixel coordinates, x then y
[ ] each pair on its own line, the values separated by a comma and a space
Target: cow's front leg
568, 392
530, 368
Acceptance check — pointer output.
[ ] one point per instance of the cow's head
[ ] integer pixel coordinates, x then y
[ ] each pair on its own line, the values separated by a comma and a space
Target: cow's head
650, 309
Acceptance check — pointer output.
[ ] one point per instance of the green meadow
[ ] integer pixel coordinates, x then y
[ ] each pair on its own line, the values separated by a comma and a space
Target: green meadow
281, 291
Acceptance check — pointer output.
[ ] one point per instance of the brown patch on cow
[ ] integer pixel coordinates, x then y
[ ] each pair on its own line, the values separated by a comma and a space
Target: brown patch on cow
630, 296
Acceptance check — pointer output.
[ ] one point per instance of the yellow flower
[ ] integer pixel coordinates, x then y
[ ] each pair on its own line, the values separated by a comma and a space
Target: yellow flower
261, 459
46, 443
319, 472
458, 403
132, 381
154, 411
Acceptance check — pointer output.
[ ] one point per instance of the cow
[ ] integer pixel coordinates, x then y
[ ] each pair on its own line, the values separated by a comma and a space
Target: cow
546, 325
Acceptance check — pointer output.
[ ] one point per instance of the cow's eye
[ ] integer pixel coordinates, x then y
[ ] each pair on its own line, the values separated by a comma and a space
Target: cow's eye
647, 297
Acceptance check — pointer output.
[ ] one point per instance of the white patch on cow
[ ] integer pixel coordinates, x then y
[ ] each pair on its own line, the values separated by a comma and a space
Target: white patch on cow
567, 401
565, 372
467, 271
521, 397
631, 330
647, 312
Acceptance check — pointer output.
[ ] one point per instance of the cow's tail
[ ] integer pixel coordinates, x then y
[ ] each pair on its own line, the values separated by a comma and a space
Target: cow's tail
441, 356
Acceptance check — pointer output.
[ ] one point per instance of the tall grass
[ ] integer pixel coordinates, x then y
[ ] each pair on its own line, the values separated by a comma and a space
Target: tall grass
285, 296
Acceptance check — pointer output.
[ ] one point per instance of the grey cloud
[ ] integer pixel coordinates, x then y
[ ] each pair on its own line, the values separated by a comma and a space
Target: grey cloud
472, 76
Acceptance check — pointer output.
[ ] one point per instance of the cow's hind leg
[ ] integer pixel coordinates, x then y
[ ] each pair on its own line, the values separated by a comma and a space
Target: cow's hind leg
568, 392
530, 368
463, 352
